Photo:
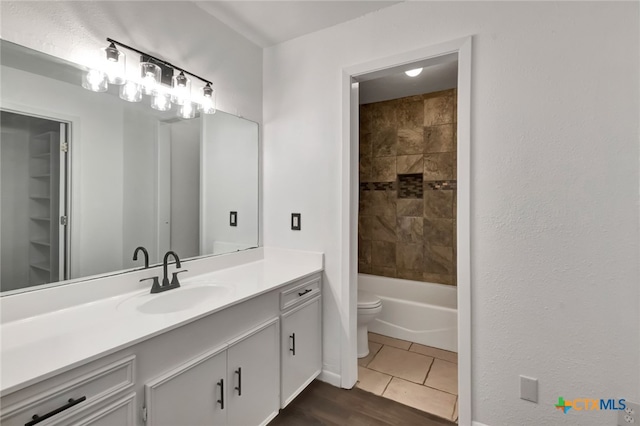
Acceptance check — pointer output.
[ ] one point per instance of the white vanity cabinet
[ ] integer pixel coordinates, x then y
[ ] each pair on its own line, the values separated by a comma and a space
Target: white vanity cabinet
234, 366
99, 393
301, 338
234, 384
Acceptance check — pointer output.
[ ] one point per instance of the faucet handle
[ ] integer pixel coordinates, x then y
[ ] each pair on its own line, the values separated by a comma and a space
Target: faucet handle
155, 288
174, 279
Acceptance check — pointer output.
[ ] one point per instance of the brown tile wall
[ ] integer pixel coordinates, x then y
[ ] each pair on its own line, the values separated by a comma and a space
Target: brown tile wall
407, 214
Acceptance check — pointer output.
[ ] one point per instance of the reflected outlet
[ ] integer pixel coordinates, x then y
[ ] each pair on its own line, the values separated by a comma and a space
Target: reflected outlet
630, 415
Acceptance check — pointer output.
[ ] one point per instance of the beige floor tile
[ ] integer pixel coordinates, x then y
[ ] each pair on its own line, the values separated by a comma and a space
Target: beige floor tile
421, 397
455, 413
389, 341
373, 350
404, 364
372, 381
443, 376
434, 352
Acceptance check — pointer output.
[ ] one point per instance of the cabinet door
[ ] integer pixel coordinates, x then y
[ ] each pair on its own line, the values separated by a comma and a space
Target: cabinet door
253, 362
301, 348
192, 394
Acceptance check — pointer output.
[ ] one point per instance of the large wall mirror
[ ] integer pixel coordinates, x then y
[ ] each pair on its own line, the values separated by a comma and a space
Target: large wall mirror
86, 177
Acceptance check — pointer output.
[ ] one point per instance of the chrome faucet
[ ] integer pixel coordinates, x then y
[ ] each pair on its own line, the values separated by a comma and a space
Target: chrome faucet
166, 285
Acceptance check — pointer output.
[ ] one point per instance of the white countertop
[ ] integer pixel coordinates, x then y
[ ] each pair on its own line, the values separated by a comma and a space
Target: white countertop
42, 346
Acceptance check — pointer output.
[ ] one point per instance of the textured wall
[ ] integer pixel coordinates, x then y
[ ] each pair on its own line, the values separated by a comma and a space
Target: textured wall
406, 221
554, 190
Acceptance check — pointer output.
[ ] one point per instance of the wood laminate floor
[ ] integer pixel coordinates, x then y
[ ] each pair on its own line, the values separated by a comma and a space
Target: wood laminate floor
323, 404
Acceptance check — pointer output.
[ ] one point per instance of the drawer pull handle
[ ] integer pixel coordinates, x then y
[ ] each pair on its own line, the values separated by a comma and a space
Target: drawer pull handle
37, 419
305, 292
239, 387
293, 338
221, 400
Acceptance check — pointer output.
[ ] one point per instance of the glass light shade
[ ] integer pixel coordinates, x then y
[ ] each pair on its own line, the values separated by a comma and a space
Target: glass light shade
151, 75
208, 101
95, 80
181, 89
161, 101
413, 73
114, 65
187, 110
131, 92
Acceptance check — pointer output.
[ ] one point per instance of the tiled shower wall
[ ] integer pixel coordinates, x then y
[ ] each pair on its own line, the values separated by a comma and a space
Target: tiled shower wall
407, 215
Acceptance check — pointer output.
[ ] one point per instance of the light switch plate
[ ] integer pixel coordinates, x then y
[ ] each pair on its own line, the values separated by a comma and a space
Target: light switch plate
529, 389
296, 225
233, 218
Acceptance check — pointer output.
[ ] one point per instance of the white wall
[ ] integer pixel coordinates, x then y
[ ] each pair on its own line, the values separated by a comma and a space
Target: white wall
139, 157
185, 188
229, 183
555, 219
177, 31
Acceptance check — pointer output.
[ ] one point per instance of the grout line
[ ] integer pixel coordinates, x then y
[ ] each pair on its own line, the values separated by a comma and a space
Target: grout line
385, 388
440, 390
454, 410
428, 371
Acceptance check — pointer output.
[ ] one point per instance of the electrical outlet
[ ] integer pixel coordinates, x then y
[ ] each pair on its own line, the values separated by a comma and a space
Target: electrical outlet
630, 415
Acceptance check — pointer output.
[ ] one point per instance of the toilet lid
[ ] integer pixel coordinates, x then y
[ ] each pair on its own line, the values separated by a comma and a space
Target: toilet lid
368, 300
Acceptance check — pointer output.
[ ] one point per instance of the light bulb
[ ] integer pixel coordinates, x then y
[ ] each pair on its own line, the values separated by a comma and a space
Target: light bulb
413, 73
131, 92
208, 105
161, 101
181, 89
114, 64
187, 110
150, 74
95, 80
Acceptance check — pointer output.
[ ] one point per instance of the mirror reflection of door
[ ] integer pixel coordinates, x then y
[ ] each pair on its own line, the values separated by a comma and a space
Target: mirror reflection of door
33, 217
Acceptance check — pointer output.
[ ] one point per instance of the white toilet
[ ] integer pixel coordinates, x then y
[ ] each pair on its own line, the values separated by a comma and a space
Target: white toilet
369, 306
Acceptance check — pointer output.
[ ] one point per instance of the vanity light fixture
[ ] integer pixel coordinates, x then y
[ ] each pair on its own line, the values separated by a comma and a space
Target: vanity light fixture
153, 80
414, 72
181, 89
114, 64
208, 105
150, 74
95, 80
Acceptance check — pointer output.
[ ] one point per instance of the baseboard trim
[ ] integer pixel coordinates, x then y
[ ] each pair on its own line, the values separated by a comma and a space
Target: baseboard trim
332, 378
477, 424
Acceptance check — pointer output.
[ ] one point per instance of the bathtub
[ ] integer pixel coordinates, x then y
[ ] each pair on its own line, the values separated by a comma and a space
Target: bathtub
420, 312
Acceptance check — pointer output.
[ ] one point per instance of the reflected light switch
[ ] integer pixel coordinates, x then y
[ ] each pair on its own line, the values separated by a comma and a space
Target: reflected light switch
295, 221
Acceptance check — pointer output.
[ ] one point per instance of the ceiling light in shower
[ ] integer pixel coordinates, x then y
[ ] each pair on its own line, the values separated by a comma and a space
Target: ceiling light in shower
114, 64
414, 72
95, 80
208, 104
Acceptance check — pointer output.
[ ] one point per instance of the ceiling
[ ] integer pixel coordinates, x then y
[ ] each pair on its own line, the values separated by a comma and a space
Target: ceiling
267, 23
433, 78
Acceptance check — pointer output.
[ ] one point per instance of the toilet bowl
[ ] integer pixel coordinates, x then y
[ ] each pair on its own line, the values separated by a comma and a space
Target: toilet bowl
369, 307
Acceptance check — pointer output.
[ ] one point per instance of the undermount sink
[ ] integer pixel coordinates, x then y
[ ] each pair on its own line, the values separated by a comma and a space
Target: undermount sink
175, 300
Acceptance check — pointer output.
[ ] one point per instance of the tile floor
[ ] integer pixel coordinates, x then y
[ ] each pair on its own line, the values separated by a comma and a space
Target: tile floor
420, 376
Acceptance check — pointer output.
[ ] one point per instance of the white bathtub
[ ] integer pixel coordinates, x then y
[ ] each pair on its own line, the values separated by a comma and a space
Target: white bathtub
416, 311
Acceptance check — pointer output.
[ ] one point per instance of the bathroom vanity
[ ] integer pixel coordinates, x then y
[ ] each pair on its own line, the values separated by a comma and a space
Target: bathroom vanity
234, 344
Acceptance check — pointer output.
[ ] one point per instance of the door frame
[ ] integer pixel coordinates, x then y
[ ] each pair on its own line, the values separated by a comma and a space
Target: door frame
72, 124
349, 211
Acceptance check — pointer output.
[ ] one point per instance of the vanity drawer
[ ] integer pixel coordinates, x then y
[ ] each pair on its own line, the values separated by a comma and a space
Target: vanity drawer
71, 391
298, 293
